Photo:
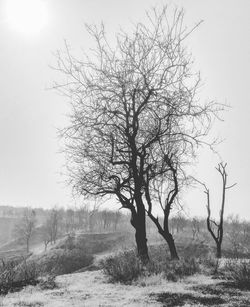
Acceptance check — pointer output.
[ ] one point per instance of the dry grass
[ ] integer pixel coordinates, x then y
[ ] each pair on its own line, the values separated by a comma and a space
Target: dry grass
92, 289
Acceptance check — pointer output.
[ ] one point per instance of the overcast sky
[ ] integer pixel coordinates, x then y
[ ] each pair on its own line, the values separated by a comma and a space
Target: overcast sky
30, 164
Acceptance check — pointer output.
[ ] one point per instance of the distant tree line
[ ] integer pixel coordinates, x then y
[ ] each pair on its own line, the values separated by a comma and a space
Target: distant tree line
57, 222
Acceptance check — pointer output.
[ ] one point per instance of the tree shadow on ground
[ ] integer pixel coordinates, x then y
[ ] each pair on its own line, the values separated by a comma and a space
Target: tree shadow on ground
238, 285
180, 299
219, 289
223, 293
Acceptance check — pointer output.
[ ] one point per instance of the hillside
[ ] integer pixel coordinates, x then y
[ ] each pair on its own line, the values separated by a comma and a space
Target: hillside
91, 242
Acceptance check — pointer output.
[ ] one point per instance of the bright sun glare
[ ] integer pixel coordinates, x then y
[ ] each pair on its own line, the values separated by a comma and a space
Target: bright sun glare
27, 16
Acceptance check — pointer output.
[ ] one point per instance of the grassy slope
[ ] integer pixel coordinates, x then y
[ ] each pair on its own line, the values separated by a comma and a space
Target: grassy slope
94, 243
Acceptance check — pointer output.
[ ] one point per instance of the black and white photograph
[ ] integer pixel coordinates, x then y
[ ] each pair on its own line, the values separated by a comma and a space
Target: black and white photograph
124, 153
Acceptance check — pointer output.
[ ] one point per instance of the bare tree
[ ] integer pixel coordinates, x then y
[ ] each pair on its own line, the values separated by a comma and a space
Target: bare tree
69, 220
50, 228
52, 224
88, 217
235, 234
110, 219
46, 237
92, 214
25, 228
246, 234
107, 218
135, 119
179, 222
117, 218
195, 225
215, 228
83, 216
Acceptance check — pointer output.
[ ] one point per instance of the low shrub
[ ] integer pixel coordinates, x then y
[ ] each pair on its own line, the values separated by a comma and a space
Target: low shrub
159, 253
48, 282
238, 272
236, 254
125, 267
65, 261
28, 271
194, 250
172, 269
210, 265
178, 269
15, 275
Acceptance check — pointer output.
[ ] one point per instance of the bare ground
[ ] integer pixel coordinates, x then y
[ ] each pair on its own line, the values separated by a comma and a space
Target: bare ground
91, 288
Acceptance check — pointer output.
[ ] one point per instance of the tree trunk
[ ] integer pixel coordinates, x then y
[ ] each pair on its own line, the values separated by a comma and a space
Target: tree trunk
27, 246
168, 236
138, 221
141, 242
218, 250
172, 248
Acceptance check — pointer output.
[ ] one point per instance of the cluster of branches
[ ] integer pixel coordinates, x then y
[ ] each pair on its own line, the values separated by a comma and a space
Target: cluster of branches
135, 121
